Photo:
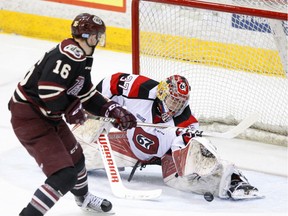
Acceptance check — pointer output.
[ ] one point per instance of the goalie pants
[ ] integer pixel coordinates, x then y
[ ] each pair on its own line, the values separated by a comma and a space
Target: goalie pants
53, 146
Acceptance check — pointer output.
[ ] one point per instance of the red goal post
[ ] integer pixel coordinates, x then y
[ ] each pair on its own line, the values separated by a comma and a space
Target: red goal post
233, 52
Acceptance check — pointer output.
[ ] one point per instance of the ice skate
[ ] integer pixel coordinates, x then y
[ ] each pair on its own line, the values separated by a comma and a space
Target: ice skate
241, 189
92, 203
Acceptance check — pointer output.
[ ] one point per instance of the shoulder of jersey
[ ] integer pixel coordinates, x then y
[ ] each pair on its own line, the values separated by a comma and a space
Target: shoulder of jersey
72, 50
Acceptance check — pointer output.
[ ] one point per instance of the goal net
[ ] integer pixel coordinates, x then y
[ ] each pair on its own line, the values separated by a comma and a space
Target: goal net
233, 52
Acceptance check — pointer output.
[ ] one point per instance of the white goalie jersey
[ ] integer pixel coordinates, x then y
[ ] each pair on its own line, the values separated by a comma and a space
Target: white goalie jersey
139, 95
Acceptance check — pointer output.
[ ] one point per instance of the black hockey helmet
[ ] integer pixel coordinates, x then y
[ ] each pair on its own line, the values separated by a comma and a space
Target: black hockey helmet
86, 24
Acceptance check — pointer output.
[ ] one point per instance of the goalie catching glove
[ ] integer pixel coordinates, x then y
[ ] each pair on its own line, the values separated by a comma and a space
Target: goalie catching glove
75, 114
125, 119
188, 134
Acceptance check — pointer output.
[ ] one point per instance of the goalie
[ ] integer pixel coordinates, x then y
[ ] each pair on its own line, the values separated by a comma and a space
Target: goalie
189, 161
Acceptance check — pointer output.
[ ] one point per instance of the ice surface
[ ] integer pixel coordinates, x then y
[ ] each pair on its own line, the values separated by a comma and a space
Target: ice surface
264, 165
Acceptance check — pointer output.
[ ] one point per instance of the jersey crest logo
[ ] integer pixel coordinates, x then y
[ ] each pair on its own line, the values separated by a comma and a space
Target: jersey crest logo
145, 142
97, 20
183, 88
74, 50
76, 88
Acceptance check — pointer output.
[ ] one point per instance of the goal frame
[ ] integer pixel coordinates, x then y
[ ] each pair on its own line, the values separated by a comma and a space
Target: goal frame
195, 4
277, 133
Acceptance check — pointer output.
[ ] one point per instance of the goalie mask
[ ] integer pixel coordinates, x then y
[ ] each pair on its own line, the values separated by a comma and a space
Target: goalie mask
86, 24
173, 93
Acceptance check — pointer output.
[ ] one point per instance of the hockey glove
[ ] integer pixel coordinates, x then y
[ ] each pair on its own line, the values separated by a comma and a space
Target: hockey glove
75, 114
188, 134
125, 119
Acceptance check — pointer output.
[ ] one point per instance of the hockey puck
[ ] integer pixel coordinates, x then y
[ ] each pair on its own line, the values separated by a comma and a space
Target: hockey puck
208, 196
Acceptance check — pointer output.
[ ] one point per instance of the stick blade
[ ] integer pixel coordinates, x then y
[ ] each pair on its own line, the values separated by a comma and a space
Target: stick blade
117, 187
126, 193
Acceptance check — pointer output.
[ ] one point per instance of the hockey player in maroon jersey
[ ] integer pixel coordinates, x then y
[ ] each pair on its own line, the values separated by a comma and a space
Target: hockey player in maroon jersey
189, 161
59, 84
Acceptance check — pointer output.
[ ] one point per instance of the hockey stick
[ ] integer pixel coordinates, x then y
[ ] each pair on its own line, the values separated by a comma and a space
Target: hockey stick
117, 187
236, 130
232, 133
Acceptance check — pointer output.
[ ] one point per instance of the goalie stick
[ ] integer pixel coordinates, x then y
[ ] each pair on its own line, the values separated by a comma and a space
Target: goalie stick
116, 184
235, 131
232, 133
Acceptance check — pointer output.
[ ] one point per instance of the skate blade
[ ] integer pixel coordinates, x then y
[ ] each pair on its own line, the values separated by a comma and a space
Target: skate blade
248, 197
98, 213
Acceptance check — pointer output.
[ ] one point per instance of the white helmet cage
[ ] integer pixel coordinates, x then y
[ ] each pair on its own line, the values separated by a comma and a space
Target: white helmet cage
174, 93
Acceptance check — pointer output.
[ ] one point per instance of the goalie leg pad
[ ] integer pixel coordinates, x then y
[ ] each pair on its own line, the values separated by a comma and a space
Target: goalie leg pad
197, 167
228, 169
191, 183
211, 174
86, 135
121, 149
90, 130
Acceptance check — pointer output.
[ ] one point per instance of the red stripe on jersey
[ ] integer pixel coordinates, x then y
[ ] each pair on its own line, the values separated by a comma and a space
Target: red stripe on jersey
114, 83
134, 91
187, 122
